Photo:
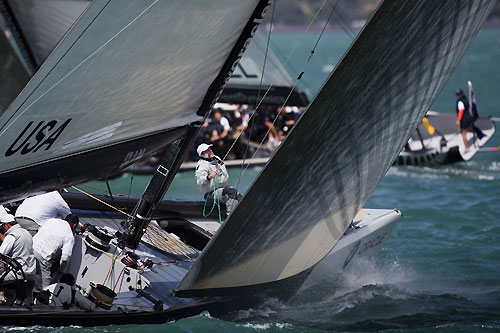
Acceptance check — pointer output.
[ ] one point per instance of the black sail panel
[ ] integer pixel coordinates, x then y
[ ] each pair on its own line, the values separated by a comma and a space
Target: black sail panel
322, 174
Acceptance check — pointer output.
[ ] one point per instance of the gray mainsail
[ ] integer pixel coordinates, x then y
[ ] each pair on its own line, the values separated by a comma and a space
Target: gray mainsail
127, 71
322, 174
42, 24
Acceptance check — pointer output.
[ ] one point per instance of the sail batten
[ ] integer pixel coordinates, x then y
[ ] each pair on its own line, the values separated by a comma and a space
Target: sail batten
342, 146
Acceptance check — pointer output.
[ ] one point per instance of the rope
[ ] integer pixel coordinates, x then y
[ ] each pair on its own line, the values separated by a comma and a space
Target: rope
257, 100
104, 203
216, 199
112, 267
276, 77
103, 190
295, 82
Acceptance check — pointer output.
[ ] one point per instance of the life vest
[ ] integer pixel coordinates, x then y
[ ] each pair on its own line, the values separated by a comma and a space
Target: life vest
464, 100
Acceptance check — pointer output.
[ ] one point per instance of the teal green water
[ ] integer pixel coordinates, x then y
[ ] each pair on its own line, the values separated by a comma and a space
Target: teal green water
439, 271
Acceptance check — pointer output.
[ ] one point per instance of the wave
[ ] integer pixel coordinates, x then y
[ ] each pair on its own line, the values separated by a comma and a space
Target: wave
369, 297
470, 170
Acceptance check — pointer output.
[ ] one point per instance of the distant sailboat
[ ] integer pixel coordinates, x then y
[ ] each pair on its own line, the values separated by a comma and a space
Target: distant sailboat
130, 77
437, 141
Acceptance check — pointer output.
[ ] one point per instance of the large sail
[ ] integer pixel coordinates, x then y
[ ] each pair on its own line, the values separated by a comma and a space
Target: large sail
128, 78
14, 75
42, 24
322, 174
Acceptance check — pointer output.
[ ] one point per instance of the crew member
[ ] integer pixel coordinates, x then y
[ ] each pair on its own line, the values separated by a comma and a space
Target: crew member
34, 211
212, 178
18, 244
3, 212
464, 119
53, 245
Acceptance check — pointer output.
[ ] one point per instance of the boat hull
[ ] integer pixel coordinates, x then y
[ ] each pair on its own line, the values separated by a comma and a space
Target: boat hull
363, 243
445, 145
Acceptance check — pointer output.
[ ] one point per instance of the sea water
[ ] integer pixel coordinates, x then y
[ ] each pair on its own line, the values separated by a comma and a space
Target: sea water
439, 270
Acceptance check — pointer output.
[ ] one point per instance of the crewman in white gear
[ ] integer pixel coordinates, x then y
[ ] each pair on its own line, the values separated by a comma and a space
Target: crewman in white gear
34, 211
17, 243
54, 240
212, 178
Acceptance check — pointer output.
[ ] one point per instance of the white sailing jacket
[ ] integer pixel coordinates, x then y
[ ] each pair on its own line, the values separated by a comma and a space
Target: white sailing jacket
204, 168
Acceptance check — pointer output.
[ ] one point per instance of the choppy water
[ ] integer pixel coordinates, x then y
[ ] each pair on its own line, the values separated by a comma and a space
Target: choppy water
439, 271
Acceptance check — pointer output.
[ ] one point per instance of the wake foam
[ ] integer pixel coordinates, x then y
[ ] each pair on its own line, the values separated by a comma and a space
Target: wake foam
489, 171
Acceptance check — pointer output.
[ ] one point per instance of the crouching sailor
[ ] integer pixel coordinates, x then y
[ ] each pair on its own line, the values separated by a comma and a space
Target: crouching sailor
53, 246
212, 178
34, 211
17, 244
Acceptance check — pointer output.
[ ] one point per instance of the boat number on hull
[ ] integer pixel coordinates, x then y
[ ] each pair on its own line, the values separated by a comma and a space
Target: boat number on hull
373, 243
36, 136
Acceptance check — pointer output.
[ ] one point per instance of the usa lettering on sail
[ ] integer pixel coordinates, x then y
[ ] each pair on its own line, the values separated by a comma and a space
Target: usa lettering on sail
34, 137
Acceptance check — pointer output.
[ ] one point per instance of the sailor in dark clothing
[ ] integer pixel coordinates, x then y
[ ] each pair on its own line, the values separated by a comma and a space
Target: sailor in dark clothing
475, 115
464, 119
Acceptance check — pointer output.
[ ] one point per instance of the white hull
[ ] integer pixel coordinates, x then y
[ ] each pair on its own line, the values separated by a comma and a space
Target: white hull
372, 229
446, 144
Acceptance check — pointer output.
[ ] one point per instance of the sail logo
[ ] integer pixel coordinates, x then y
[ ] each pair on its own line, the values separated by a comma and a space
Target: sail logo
133, 156
34, 137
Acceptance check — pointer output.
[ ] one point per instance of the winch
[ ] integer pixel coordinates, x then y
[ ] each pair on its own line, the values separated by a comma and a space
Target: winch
131, 260
98, 238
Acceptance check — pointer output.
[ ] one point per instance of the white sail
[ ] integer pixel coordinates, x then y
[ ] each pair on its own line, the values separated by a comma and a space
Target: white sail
322, 174
126, 70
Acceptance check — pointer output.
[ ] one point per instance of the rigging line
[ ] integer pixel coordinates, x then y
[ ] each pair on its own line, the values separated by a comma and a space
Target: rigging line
102, 189
104, 203
323, 30
216, 196
296, 81
81, 63
277, 75
57, 62
343, 24
258, 96
130, 186
110, 193
282, 57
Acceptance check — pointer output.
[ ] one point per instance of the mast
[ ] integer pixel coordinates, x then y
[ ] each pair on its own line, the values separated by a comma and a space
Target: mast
177, 151
170, 162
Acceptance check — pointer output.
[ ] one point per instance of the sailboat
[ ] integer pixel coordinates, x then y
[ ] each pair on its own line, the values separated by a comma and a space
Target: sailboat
437, 141
131, 77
